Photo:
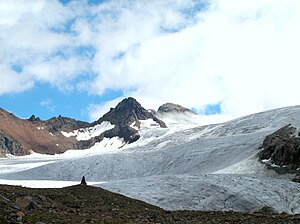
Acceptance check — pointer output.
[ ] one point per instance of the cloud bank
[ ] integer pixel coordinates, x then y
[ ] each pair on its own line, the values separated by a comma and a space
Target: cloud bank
242, 55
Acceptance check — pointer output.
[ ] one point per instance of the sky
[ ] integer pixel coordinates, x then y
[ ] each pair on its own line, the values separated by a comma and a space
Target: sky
220, 58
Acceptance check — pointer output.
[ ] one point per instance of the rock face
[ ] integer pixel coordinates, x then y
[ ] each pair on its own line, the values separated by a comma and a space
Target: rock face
9, 145
126, 117
57, 124
127, 112
282, 148
20, 136
170, 107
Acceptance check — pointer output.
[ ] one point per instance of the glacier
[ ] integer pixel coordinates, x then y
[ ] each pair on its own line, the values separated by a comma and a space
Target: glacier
184, 166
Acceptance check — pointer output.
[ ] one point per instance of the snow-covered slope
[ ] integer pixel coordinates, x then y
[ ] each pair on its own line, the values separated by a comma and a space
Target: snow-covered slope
212, 167
212, 192
88, 133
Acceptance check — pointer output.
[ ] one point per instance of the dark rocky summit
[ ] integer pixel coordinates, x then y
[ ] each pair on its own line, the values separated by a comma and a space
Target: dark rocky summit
282, 148
173, 108
126, 117
127, 113
33, 119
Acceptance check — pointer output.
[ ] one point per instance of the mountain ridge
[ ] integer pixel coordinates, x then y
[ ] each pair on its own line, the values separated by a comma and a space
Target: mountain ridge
60, 123
51, 136
30, 137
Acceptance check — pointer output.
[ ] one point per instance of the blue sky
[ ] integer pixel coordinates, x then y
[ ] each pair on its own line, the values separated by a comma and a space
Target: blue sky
79, 58
45, 102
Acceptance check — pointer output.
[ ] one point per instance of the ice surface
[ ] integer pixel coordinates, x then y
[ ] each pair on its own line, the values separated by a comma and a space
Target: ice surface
88, 133
211, 192
211, 167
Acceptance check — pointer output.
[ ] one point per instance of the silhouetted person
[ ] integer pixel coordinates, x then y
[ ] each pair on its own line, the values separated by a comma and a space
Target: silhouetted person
83, 182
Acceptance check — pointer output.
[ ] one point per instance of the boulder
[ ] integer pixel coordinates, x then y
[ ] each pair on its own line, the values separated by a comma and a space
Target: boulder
27, 202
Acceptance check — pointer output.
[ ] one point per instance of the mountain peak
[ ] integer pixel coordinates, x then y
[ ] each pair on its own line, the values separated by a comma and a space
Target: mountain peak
126, 117
34, 119
129, 101
128, 111
171, 107
129, 105
126, 120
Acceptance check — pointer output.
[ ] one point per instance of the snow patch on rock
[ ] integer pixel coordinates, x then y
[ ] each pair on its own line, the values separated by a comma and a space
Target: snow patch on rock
88, 133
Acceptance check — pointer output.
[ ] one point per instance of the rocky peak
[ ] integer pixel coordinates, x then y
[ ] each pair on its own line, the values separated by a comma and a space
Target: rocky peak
127, 112
171, 107
33, 119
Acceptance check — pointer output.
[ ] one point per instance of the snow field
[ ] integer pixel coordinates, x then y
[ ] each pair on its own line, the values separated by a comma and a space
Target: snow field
211, 167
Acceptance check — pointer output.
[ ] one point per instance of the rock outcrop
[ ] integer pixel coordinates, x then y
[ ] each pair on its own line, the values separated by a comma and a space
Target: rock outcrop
282, 148
126, 118
173, 108
127, 112
8, 145
57, 124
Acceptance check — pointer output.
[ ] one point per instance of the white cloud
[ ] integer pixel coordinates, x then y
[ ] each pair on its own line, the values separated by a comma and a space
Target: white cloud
241, 53
58, 71
33, 25
31, 35
244, 54
12, 82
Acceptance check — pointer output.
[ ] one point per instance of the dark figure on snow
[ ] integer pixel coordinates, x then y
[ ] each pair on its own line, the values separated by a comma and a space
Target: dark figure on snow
83, 182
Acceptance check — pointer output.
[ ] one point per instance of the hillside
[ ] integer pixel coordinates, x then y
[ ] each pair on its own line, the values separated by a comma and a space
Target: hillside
86, 204
21, 136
